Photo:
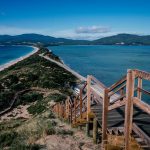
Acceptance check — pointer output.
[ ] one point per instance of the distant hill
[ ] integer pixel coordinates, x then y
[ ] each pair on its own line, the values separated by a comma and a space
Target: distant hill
120, 39
124, 39
37, 38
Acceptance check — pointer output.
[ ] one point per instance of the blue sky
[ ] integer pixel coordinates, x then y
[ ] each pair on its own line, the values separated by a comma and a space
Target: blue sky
77, 19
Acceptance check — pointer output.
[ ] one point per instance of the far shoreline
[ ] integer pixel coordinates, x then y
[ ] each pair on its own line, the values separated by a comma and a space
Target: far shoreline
13, 62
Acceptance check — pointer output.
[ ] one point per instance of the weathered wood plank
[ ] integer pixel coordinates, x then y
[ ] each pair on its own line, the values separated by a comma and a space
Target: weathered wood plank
145, 107
117, 104
142, 74
81, 104
144, 91
104, 117
141, 134
129, 108
117, 90
139, 93
122, 80
88, 96
98, 82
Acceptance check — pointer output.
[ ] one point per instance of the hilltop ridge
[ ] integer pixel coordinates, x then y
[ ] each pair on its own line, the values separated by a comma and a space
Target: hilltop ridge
30, 39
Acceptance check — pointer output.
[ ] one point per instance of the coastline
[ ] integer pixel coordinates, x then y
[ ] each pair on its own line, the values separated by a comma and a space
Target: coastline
13, 62
66, 67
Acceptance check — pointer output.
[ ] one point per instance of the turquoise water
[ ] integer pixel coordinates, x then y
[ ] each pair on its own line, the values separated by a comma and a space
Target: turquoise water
9, 53
107, 63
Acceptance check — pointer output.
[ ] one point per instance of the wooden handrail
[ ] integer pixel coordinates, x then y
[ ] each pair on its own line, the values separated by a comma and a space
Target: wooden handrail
118, 83
145, 107
139, 93
142, 74
118, 98
110, 99
114, 92
95, 97
141, 134
84, 86
98, 82
145, 91
99, 97
78, 104
70, 102
121, 97
117, 104
82, 89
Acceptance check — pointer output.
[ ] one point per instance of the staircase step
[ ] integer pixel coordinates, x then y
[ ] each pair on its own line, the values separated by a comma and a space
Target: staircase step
139, 139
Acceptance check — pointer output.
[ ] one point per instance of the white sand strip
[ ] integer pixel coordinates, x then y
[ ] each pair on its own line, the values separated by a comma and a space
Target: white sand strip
2, 67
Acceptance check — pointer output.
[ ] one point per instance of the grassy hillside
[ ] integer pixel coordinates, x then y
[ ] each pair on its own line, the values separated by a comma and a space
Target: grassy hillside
126, 39
35, 83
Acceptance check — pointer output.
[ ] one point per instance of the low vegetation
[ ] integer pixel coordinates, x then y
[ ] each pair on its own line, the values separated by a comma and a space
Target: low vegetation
34, 82
34, 71
37, 108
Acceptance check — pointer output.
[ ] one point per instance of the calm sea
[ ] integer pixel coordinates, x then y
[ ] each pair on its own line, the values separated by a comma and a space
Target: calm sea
107, 63
9, 53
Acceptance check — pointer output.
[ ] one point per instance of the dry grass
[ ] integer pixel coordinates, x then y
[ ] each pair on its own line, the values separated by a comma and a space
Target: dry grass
35, 128
117, 143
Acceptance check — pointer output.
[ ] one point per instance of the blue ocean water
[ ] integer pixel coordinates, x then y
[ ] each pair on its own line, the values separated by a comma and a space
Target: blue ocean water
107, 63
9, 53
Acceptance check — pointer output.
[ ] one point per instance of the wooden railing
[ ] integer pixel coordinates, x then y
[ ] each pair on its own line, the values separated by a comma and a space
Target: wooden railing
122, 93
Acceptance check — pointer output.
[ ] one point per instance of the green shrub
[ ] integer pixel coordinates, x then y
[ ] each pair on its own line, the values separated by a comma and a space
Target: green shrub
18, 87
7, 138
51, 115
25, 147
10, 125
5, 99
49, 129
31, 97
65, 132
1, 86
32, 77
49, 84
36, 108
57, 97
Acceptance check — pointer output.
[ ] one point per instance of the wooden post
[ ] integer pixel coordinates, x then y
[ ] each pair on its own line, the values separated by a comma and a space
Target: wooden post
80, 104
129, 108
121, 92
95, 130
139, 93
66, 109
75, 109
58, 109
70, 114
104, 117
63, 110
88, 103
61, 106
88, 95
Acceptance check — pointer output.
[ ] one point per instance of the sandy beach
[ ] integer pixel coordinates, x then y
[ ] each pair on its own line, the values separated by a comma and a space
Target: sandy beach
2, 67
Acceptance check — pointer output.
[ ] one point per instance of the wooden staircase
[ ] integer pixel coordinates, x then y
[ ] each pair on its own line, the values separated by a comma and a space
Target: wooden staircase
118, 110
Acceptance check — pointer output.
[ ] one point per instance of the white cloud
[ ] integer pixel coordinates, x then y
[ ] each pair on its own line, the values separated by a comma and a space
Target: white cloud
68, 33
92, 29
72, 34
